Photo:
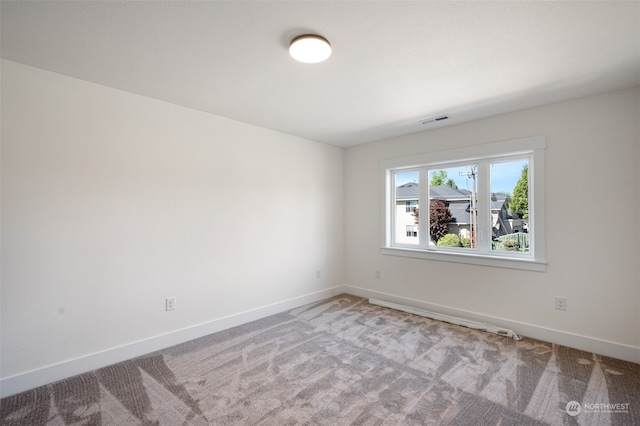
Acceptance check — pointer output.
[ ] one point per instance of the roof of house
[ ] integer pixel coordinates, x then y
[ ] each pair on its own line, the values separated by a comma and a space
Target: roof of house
457, 199
410, 191
460, 213
498, 200
444, 192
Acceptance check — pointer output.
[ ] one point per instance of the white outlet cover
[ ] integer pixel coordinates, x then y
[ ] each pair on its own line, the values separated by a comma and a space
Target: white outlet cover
170, 303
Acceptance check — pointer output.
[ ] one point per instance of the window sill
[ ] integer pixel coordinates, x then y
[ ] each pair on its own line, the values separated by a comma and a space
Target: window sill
471, 259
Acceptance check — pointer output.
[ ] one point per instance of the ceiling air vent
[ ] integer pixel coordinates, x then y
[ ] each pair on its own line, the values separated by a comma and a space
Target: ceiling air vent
435, 119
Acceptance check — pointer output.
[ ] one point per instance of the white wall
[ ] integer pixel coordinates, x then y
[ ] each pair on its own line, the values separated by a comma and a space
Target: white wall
592, 214
637, 119
112, 202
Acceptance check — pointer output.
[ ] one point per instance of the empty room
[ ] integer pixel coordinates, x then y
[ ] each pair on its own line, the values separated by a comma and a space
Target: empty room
320, 212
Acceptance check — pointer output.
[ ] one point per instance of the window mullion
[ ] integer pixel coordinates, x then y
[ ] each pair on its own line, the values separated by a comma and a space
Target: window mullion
536, 203
423, 206
391, 234
484, 207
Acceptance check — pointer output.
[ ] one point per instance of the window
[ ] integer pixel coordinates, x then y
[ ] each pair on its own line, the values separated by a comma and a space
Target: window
481, 205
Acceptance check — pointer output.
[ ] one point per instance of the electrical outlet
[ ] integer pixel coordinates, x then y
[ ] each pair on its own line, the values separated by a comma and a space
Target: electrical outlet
170, 303
561, 303
377, 274
318, 273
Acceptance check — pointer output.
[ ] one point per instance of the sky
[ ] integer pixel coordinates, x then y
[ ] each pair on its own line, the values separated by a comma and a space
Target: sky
504, 176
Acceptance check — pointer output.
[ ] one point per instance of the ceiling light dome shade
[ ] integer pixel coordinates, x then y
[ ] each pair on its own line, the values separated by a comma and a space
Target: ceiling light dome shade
310, 49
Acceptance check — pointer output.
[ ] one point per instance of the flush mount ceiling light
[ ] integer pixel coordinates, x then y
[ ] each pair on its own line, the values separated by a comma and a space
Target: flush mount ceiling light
310, 49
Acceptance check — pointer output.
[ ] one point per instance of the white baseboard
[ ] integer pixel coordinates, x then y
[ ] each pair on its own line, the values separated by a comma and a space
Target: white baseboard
55, 372
52, 373
585, 343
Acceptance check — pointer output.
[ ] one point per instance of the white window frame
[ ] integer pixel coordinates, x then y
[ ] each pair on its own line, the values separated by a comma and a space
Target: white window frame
530, 147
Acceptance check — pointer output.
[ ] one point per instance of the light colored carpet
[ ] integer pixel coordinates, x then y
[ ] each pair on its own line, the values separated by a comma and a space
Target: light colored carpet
339, 362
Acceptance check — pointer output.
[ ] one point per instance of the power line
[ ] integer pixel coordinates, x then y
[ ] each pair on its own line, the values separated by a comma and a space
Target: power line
472, 174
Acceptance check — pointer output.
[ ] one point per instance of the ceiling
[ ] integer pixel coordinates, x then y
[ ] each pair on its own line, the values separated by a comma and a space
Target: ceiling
394, 63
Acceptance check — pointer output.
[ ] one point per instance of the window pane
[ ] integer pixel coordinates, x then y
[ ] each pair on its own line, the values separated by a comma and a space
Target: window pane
406, 203
452, 203
510, 206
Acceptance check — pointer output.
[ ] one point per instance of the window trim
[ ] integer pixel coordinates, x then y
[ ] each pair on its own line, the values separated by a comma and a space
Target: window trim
533, 146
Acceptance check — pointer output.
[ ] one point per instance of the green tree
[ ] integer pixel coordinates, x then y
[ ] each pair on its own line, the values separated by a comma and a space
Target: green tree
449, 240
520, 199
440, 178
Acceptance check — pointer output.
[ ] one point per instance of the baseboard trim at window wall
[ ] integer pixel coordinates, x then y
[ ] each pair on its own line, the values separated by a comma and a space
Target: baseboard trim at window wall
585, 343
